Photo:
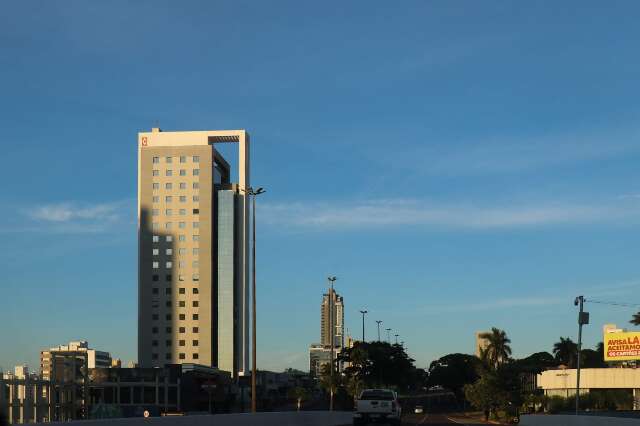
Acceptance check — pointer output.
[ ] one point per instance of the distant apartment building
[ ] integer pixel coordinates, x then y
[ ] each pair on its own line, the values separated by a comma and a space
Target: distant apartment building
23, 397
61, 357
193, 251
481, 343
319, 357
326, 334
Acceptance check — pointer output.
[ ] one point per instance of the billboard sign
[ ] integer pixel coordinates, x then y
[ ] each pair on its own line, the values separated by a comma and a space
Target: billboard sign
621, 346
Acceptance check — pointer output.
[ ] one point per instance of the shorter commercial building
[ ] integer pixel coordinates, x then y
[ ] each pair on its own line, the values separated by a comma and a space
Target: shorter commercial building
94, 358
22, 397
562, 382
319, 356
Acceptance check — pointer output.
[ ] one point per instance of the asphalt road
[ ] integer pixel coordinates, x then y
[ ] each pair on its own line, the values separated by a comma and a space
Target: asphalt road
437, 419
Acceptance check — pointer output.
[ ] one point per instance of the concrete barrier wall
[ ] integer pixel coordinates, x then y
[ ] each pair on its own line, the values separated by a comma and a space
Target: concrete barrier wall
290, 418
569, 420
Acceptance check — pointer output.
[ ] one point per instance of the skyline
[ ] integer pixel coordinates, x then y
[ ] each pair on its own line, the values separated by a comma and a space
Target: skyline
483, 168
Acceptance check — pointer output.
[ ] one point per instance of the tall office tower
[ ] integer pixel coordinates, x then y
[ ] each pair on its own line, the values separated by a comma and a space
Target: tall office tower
338, 320
193, 259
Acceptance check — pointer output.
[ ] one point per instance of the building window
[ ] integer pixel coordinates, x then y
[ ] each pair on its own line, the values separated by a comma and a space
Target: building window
155, 265
196, 172
169, 238
182, 343
168, 199
183, 159
183, 199
182, 238
181, 290
155, 173
196, 198
196, 251
180, 277
183, 172
168, 317
154, 330
195, 304
168, 252
167, 291
195, 329
155, 199
168, 303
167, 343
155, 226
196, 238
168, 172
182, 251
196, 211
195, 356
181, 225
196, 185
182, 317
168, 185
195, 343
168, 212
183, 212
154, 343
183, 185
167, 225
195, 317
155, 212
196, 158
195, 264
155, 253
196, 291
168, 160
196, 224
182, 330
156, 238
196, 277
156, 278
182, 356
169, 265
167, 329
155, 317
155, 185
154, 356
181, 264
156, 160
182, 304
154, 290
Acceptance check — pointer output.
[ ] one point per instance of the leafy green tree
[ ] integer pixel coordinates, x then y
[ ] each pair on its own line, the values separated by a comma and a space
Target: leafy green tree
566, 351
298, 394
498, 349
486, 394
453, 371
635, 320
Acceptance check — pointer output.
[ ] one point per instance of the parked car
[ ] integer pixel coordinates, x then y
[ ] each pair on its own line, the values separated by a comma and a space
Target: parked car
418, 409
377, 405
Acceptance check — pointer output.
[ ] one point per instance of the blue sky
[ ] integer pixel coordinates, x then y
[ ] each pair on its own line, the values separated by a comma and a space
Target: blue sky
458, 165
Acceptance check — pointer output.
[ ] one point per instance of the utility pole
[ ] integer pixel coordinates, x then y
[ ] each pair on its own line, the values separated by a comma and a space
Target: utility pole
388, 335
331, 336
254, 371
363, 314
583, 319
379, 322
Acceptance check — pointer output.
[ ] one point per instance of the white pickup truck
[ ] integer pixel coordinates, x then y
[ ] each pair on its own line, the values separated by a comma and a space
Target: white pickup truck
379, 406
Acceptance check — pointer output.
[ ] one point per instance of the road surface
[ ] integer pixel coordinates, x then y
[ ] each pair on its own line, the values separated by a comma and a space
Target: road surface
437, 419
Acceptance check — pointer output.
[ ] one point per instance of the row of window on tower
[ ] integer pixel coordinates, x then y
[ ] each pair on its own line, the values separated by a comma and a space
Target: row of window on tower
181, 159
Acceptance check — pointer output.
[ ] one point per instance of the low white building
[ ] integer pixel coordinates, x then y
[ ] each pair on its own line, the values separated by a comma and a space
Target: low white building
562, 382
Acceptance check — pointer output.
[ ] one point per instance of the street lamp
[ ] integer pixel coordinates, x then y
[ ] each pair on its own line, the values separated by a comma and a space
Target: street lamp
397, 338
253, 193
583, 319
363, 314
332, 280
388, 335
379, 322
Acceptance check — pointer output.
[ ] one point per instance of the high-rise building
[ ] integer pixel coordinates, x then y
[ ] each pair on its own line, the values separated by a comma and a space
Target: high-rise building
481, 343
193, 252
338, 320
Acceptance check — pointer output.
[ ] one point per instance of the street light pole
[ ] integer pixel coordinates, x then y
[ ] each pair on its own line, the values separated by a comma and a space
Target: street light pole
254, 370
331, 336
379, 322
388, 335
363, 314
397, 338
583, 318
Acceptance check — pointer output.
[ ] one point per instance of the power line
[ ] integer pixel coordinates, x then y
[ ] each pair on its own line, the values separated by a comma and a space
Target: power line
625, 305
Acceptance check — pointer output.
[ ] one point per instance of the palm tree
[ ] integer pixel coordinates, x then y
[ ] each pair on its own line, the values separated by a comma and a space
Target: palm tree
565, 351
636, 319
497, 349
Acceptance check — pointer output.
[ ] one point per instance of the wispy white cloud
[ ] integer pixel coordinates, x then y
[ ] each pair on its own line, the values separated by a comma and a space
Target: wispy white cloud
67, 212
379, 213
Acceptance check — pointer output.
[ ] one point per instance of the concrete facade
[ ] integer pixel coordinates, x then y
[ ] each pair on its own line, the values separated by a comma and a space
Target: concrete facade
338, 320
193, 257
